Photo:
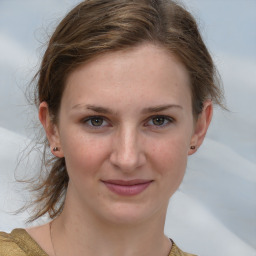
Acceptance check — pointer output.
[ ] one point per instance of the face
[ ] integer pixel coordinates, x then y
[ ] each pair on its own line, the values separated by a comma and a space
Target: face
125, 129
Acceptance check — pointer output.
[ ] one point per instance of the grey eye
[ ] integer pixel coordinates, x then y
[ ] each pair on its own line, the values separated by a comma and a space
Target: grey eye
159, 120
96, 121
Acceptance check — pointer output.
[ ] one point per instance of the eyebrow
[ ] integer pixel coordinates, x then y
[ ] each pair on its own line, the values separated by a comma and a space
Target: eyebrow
104, 110
160, 108
98, 109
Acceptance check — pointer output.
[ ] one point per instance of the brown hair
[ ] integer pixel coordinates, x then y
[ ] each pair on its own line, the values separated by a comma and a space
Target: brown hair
95, 27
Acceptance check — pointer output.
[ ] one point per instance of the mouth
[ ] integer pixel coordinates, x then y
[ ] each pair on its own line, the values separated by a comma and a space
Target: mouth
127, 187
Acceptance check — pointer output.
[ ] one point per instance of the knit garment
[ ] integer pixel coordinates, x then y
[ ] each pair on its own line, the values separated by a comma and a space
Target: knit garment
20, 243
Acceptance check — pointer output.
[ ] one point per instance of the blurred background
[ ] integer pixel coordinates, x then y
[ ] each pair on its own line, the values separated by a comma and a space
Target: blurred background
214, 211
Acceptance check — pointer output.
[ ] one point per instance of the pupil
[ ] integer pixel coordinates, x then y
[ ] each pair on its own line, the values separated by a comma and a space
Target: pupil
97, 121
158, 120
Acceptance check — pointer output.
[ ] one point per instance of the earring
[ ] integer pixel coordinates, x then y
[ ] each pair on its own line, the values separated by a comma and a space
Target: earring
55, 149
193, 147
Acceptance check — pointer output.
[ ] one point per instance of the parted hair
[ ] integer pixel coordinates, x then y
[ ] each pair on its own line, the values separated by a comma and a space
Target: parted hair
95, 27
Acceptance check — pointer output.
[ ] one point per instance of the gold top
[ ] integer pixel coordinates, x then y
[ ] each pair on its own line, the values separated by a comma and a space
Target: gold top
20, 243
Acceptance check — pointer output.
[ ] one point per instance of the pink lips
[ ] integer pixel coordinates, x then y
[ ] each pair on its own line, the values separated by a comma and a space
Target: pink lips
127, 188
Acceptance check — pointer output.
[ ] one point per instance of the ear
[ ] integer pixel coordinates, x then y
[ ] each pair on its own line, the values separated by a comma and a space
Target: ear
51, 129
201, 127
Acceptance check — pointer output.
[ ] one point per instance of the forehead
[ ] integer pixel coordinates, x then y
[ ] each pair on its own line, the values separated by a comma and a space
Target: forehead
144, 73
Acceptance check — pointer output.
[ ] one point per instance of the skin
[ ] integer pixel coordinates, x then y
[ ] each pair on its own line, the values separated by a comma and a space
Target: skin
125, 115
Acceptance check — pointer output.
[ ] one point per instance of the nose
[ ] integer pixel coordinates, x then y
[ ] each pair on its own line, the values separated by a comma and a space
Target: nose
128, 152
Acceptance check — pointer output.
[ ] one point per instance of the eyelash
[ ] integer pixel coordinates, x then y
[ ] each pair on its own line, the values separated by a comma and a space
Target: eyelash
167, 121
90, 118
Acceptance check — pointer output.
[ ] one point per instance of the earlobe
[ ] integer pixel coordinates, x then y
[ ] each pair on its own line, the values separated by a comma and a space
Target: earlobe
50, 129
201, 127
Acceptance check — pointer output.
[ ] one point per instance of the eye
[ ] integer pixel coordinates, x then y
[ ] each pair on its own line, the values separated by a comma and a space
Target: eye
159, 121
95, 122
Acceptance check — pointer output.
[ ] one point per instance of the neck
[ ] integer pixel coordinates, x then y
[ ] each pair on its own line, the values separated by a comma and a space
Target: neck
77, 232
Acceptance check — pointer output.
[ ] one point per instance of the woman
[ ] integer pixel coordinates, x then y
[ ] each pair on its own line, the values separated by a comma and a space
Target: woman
125, 93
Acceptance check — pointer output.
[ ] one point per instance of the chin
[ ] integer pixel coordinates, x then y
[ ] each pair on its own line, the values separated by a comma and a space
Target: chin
130, 213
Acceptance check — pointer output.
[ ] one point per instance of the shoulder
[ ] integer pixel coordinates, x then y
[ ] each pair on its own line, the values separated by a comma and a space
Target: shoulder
176, 251
18, 243
9, 246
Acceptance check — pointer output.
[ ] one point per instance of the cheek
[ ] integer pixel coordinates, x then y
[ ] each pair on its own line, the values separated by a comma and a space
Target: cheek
173, 148
170, 160
84, 154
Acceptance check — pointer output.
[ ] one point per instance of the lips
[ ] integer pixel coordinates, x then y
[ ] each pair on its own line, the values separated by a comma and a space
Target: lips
127, 187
